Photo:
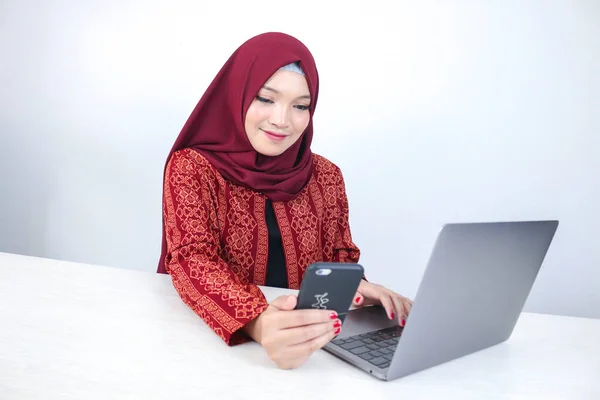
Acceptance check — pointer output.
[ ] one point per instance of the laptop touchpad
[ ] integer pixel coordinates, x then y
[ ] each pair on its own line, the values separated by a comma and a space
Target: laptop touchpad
366, 319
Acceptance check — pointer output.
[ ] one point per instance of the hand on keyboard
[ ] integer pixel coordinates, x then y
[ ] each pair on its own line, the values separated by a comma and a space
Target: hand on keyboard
395, 305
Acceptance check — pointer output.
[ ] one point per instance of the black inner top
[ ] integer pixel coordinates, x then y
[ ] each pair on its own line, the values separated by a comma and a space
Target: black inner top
276, 270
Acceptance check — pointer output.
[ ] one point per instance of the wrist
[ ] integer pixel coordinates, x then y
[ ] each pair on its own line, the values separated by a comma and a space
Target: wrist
253, 329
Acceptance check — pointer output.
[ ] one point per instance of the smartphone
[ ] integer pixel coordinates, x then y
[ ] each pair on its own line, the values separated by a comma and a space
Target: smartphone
330, 286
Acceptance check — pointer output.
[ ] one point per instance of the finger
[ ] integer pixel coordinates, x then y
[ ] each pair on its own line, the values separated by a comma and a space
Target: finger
303, 334
358, 299
285, 303
307, 348
296, 318
370, 295
407, 305
399, 307
387, 303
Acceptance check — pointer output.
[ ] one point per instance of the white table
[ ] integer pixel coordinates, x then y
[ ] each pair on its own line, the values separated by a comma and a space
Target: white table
75, 331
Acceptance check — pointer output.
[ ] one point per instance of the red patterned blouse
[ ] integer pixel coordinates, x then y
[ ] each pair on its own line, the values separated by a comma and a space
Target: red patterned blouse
217, 238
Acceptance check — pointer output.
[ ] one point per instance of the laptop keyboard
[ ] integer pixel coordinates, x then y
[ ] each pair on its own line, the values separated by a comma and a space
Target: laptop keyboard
376, 347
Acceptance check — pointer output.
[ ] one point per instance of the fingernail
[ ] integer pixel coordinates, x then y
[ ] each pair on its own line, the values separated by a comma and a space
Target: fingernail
337, 324
337, 331
403, 322
393, 315
333, 315
357, 299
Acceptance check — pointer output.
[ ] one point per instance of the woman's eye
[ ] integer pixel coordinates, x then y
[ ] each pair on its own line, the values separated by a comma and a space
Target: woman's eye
263, 100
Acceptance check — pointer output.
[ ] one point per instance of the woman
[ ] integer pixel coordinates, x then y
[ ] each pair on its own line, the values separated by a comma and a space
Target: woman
247, 203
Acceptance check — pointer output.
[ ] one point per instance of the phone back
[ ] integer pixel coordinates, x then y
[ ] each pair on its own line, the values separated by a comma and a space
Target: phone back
330, 286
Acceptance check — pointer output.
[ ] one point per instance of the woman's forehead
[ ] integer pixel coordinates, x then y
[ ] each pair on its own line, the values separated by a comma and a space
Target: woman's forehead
288, 82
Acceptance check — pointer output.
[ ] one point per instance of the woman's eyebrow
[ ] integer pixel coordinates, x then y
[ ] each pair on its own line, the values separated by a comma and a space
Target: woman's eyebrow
306, 96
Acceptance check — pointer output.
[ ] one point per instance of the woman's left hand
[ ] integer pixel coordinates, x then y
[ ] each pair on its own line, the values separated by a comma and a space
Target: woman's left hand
394, 304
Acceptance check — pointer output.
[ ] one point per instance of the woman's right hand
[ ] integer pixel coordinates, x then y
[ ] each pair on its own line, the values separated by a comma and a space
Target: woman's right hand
291, 336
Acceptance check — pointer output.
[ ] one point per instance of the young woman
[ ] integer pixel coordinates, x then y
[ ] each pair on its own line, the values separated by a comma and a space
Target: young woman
247, 203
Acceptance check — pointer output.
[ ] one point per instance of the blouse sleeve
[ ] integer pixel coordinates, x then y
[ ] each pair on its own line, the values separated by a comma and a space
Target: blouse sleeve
203, 280
344, 249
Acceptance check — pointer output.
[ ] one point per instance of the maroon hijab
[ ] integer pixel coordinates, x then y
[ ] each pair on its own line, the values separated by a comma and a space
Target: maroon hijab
216, 126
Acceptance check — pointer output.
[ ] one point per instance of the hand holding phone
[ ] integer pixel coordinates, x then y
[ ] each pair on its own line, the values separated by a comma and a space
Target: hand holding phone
290, 336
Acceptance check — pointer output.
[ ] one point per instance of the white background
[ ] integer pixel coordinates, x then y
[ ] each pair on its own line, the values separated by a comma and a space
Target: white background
436, 111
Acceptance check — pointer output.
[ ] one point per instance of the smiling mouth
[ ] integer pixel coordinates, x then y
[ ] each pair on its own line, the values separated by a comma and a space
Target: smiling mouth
275, 136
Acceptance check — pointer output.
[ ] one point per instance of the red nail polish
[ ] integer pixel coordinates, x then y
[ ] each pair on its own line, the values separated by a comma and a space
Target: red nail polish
403, 322
393, 315
337, 324
337, 331
357, 299
333, 315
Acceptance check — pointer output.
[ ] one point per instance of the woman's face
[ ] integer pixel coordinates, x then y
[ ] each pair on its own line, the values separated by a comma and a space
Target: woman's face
279, 114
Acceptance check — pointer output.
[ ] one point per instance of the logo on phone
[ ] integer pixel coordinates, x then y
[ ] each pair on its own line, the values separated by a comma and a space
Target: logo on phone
321, 301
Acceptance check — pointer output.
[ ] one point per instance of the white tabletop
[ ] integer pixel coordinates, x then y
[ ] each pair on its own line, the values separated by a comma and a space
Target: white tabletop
74, 331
